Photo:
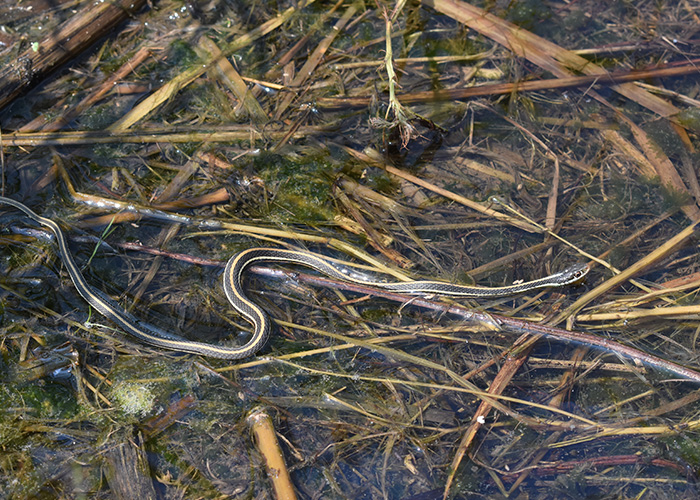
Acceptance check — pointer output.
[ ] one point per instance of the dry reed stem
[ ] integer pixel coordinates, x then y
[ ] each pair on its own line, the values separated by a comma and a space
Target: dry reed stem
541, 451
158, 97
171, 88
511, 366
659, 253
613, 78
663, 168
315, 59
479, 207
415, 60
540, 51
493, 322
167, 136
377, 240
678, 312
617, 141
466, 163
233, 81
76, 35
98, 93
573, 421
244, 229
559, 61
263, 430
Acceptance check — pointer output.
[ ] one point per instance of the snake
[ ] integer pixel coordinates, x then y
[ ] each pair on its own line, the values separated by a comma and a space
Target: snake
235, 292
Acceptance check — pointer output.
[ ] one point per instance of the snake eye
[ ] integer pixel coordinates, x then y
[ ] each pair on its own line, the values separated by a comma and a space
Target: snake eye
580, 273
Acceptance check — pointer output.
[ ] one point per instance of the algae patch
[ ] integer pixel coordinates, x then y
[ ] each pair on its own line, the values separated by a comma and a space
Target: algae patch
134, 399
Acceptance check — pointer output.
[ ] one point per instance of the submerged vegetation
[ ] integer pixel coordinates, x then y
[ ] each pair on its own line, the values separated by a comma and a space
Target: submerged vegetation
487, 143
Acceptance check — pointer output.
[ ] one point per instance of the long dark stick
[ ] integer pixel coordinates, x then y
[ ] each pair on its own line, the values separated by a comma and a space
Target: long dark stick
501, 322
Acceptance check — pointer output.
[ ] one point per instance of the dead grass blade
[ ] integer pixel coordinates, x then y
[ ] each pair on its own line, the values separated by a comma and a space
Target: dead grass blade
512, 365
233, 81
107, 86
562, 62
658, 254
76, 35
171, 88
479, 207
542, 52
315, 59
663, 168
564, 82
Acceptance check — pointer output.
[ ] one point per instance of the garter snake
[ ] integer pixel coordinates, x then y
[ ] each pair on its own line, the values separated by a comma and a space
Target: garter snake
233, 287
